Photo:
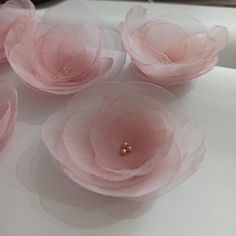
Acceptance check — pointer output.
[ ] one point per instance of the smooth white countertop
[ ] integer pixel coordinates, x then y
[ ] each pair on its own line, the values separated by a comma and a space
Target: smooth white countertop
37, 200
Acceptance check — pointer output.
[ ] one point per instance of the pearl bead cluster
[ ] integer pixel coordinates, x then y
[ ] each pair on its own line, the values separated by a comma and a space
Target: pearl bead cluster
125, 149
66, 70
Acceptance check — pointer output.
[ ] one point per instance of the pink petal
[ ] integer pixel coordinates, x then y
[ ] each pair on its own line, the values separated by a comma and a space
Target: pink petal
161, 35
196, 45
19, 60
80, 167
50, 62
75, 15
62, 47
77, 143
22, 31
129, 119
112, 47
189, 24
44, 54
136, 17
191, 143
12, 10
137, 48
8, 111
13, 13
73, 171
219, 36
81, 102
87, 38
164, 173
129, 128
171, 75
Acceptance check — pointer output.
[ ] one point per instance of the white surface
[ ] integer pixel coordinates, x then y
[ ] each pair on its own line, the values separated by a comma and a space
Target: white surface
36, 200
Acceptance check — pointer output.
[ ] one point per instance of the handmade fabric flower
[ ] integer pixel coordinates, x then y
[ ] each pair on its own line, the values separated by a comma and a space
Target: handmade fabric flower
8, 111
118, 139
170, 50
66, 50
12, 13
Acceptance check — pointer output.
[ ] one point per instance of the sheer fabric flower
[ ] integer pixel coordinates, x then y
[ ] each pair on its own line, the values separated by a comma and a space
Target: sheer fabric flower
65, 50
122, 140
170, 50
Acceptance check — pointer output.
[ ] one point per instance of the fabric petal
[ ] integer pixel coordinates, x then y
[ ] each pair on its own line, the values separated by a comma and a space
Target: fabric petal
136, 17
8, 111
13, 13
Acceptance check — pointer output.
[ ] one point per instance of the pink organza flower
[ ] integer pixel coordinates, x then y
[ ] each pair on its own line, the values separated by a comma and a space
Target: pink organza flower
8, 111
12, 13
67, 49
119, 139
170, 50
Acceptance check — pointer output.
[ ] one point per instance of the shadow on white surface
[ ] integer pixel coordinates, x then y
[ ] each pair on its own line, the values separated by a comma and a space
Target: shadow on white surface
179, 91
33, 107
66, 201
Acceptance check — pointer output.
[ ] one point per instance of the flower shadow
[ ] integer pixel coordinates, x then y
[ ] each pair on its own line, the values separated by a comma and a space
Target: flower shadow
179, 91
35, 107
65, 200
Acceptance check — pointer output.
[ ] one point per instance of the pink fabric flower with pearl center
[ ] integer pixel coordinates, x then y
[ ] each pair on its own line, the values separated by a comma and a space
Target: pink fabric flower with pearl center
65, 50
170, 50
120, 140
12, 13
8, 111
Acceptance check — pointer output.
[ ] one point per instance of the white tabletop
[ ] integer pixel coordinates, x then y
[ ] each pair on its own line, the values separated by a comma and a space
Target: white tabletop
36, 199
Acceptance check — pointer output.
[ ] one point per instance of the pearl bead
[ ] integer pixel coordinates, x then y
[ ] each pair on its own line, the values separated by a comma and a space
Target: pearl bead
123, 152
125, 145
129, 149
125, 149
66, 71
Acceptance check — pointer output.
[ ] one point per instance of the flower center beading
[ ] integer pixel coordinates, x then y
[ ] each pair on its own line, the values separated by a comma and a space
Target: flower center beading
66, 70
125, 149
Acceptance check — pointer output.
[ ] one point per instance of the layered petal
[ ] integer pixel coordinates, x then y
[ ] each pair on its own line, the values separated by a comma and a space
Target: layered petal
12, 14
8, 111
171, 75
